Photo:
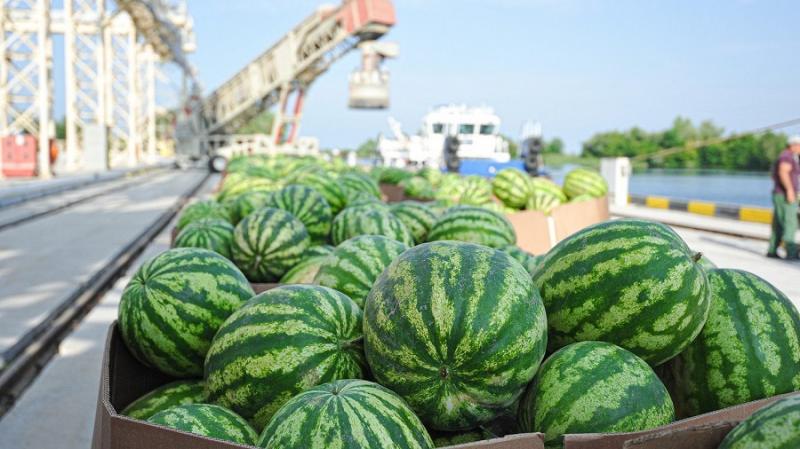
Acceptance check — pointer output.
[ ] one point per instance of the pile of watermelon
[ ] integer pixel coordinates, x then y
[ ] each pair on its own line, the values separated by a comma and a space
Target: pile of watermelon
418, 325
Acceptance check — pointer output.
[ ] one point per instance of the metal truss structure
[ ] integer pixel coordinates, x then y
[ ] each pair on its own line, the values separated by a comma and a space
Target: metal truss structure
110, 60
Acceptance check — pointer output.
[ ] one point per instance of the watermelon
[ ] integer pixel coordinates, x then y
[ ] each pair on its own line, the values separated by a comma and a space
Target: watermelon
328, 187
582, 181
202, 209
318, 250
417, 217
369, 220
528, 260
445, 439
476, 191
393, 175
548, 187
207, 420
180, 392
581, 197
267, 243
233, 187
457, 330
498, 207
707, 264
356, 263
308, 206
245, 204
278, 344
346, 414
418, 187
355, 183
594, 387
475, 225
432, 174
776, 426
512, 186
305, 271
542, 201
210, 233
174, 304
749, 348
633, 283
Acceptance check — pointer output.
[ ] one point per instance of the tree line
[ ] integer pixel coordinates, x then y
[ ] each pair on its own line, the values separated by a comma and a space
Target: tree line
748, 152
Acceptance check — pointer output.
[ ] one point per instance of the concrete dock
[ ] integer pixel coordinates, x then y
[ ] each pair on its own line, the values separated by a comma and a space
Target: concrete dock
62, 400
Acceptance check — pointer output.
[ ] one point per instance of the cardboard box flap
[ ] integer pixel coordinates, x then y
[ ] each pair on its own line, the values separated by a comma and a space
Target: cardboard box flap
700, 437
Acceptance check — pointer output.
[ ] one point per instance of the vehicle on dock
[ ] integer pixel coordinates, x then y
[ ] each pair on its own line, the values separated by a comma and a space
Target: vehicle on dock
477, 130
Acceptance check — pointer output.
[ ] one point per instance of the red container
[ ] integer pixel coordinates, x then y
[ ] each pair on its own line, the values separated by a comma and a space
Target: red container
19, 156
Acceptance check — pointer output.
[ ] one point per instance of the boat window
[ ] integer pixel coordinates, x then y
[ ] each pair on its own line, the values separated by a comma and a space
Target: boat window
466, 129
438, 128
487, 130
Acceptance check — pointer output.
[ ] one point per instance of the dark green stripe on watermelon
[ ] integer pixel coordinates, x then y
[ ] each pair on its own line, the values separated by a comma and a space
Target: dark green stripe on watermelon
355, 265
308, 206
280, 343
267, 243
776, 426
174, 304
594, 387
209, 421
369, 220
180, 392
474, 225
346, 414
457, 330
749, 348
633, 283
202, 209
417, 217
209, 233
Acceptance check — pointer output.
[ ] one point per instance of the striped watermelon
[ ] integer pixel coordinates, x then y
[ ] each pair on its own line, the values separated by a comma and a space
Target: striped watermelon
594, 387
232, 187
457, 330
432, 174
548, 187
749, 348
305, 271
369, 220
542, 202
418, 187
346, 414
308, 206
528, 260
210, 233
207, 420
174, 304
357, 263
582, 181
776, 426
267, 243
245, 204
581, 197
476, 191
500, 208
202, 209
633, 283
180, 392
513, 187
417, 217
354, 183
475, 225
328, 187
318, 250
278, 344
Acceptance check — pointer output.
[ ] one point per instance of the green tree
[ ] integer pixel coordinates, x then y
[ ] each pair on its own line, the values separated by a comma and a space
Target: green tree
555, 146
368, 148
260, 124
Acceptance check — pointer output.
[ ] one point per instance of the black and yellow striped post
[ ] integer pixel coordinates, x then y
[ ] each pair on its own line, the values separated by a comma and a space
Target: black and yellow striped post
742, 213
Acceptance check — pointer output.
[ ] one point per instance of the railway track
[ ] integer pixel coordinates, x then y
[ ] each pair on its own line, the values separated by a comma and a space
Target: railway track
21, 363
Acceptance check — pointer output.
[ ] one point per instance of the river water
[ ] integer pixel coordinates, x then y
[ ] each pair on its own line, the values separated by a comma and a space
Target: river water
753, 189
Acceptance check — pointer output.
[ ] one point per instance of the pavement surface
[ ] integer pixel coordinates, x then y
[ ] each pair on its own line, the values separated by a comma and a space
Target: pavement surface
43, 261
63, 398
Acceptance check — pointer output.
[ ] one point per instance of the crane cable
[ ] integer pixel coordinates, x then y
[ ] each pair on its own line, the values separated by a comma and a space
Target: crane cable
697, 144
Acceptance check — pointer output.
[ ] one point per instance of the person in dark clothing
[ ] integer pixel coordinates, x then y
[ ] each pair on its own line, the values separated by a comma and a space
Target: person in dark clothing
784, 198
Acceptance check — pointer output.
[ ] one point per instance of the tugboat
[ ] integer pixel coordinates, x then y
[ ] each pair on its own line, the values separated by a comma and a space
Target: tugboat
476, 129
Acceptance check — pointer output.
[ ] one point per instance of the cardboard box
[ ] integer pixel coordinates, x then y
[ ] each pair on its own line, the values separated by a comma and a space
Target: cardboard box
124, 380
537, 232
392, 193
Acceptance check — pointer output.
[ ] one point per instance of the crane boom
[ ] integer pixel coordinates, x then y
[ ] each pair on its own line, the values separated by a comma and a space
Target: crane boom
293, 63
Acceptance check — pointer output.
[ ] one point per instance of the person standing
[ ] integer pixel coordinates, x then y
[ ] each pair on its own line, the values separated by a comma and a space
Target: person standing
784, 198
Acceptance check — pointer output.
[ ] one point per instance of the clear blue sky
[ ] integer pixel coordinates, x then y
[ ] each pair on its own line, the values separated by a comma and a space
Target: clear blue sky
578, 66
